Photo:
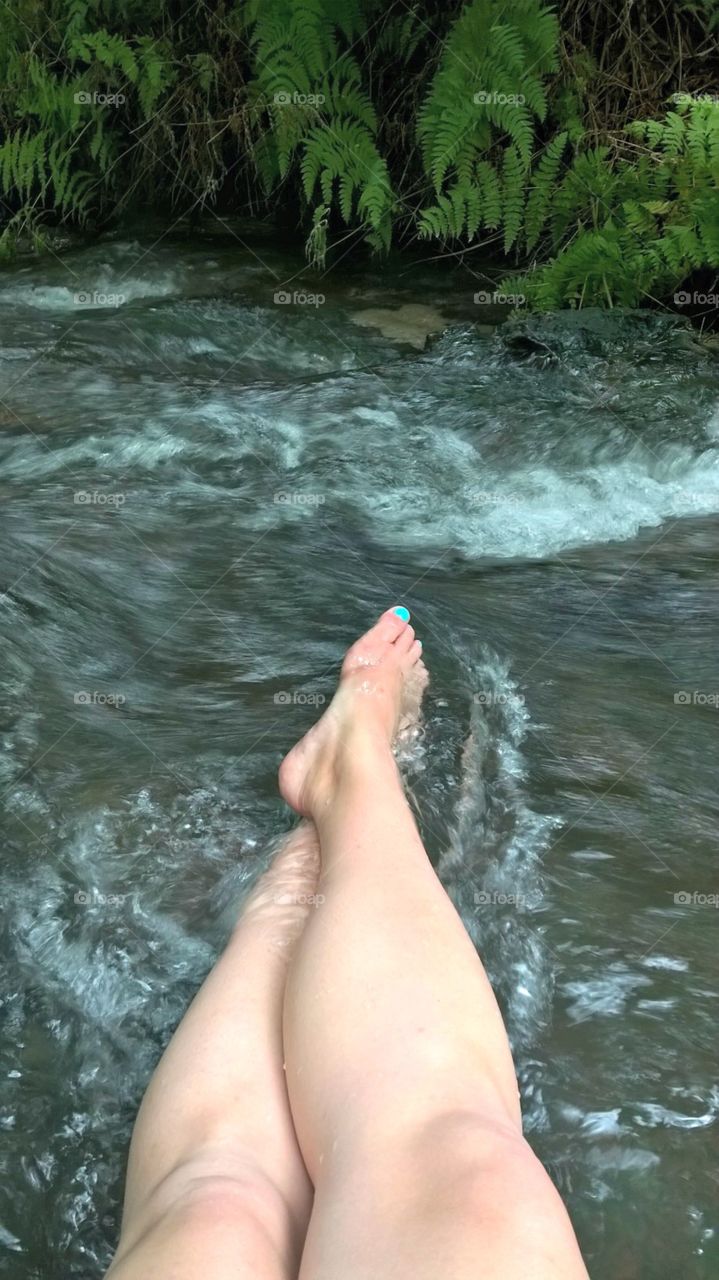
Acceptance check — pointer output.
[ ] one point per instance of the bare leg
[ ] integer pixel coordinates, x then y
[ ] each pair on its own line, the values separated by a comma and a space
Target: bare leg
216, 1186
399, 1072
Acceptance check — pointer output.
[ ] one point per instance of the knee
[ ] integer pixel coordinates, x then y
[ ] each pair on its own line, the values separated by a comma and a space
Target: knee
483, 1172
482, 1162
212, 1194
200, 1189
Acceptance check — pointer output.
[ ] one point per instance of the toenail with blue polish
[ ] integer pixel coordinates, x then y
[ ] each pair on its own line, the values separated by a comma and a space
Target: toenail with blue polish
402, 612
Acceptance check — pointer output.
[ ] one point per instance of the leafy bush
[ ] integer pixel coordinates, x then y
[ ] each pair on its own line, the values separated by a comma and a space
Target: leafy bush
473, 124
623, 229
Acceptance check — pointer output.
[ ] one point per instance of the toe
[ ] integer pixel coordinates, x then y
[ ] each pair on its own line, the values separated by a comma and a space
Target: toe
405, 640
391, 629
415, 652
390, 626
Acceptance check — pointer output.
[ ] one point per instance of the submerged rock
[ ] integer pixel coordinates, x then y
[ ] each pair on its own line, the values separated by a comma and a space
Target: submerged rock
413, 322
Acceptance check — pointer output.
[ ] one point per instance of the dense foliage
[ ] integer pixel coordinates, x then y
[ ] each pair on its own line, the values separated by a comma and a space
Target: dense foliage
479, 124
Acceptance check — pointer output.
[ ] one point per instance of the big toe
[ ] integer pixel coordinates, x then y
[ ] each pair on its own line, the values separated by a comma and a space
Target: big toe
391, 626
388, 630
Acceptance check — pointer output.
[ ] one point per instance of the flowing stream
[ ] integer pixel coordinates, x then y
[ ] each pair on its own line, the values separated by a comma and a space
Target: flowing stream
207, 493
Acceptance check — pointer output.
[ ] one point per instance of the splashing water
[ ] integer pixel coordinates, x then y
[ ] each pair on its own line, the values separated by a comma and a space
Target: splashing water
224, 493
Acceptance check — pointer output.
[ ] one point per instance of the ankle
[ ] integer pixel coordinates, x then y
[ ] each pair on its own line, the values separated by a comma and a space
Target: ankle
357, 763
361, 767
363, 751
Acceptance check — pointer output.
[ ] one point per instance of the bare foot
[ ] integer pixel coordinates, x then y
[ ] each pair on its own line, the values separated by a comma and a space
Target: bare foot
379, 693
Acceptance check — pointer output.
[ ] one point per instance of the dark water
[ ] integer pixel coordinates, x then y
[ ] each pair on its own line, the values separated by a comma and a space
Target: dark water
207, 494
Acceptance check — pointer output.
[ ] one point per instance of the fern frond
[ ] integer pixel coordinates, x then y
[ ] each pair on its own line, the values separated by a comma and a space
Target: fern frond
485, 102
542, 187
512, 195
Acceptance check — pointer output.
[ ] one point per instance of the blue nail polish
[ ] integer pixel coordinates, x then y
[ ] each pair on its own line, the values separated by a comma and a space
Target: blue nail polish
402, 612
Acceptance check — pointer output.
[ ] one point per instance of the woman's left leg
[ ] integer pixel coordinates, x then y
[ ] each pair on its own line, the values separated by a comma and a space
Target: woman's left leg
216, 1185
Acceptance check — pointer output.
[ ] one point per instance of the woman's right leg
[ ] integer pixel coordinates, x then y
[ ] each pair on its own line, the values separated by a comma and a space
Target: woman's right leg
400, 1076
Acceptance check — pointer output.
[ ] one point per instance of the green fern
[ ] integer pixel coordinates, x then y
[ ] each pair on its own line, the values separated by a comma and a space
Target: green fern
490, 190
489, 86
154, 73
625, 229
505, 198
401, 35
454, 126
542, 189
109, 50
512, 195
316, 246
486, 100
344, 151
320, 115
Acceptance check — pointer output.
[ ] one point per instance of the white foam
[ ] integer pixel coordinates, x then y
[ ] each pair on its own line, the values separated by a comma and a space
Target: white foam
539, 511
87, 296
